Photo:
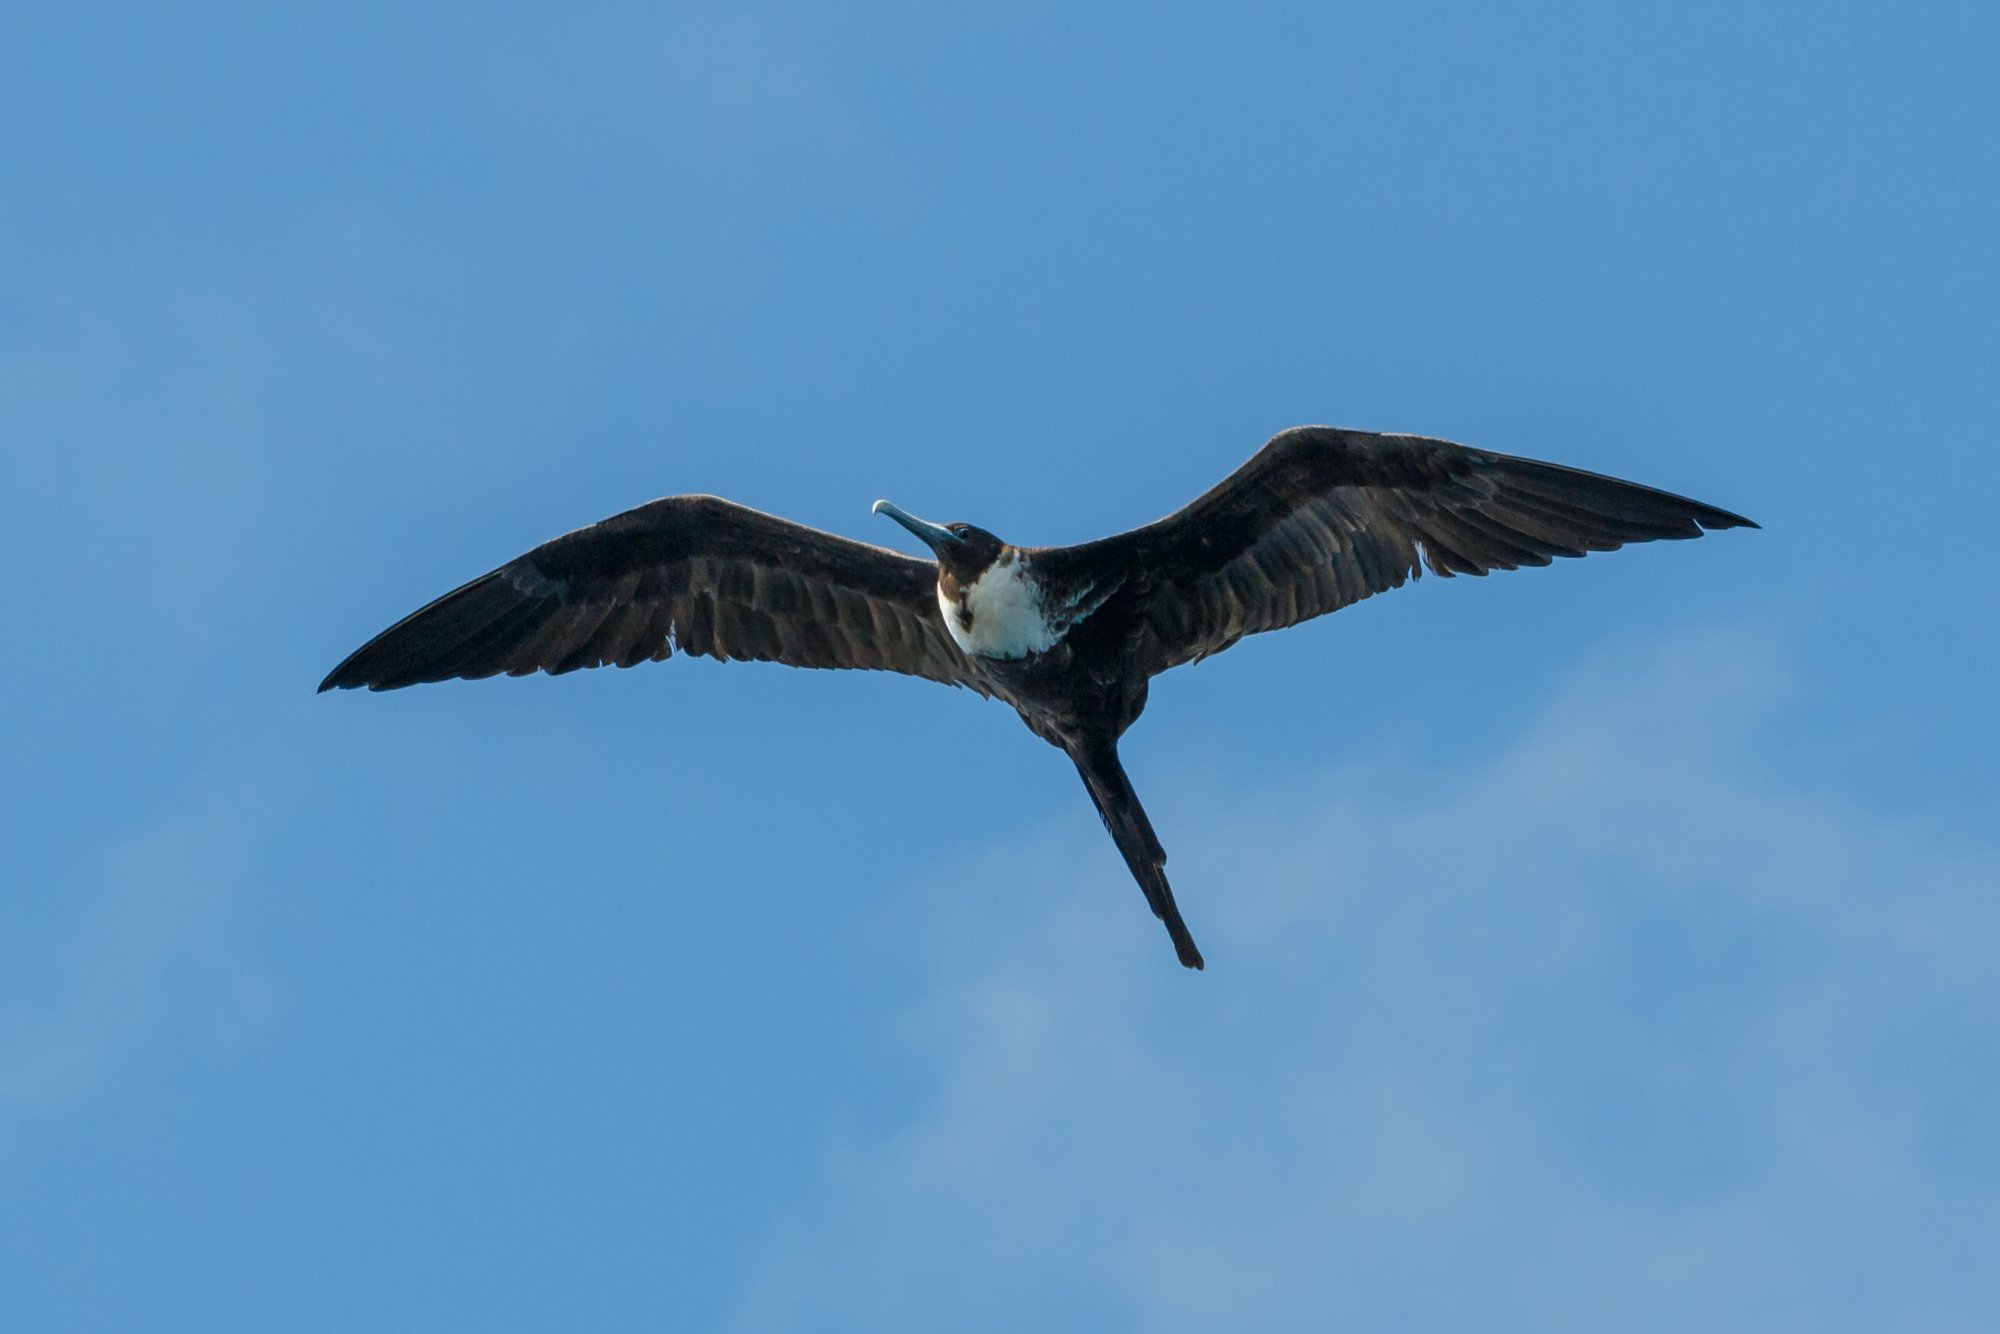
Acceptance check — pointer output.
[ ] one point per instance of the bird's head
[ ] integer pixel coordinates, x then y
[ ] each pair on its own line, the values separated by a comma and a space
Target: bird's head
963, 551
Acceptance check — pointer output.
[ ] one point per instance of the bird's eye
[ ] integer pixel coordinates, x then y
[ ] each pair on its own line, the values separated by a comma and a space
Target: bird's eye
960, 529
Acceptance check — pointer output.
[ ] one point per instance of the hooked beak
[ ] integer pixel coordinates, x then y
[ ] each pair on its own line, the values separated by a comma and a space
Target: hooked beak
934, 535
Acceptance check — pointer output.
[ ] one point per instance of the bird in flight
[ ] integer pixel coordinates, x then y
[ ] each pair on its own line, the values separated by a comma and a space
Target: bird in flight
1317, 520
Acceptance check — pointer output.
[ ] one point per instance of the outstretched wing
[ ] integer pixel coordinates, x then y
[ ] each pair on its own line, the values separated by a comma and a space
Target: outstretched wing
1321, 518
693, 574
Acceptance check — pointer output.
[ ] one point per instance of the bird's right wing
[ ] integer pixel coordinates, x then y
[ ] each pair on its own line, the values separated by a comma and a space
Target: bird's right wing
1320, 518
694, 574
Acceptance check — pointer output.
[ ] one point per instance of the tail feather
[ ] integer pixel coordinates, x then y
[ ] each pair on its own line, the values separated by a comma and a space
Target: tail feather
1125, 819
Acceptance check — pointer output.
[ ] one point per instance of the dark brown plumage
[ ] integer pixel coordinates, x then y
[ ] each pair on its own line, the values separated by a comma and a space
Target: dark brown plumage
1318, 519
693, 574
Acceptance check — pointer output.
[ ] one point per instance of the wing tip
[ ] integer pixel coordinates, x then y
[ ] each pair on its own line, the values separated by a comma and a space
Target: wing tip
367, 668
342, 677
1714, 520
364, 669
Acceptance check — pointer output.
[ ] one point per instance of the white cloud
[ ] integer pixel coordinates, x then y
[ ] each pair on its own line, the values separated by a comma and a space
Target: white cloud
1614, 1030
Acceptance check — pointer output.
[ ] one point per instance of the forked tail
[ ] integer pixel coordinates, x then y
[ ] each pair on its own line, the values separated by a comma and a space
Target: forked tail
1125, 819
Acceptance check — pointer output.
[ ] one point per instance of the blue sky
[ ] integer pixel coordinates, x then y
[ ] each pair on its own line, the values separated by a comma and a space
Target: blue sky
1608, 946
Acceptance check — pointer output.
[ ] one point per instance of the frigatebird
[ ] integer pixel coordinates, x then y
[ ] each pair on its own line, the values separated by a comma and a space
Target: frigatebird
1317, 520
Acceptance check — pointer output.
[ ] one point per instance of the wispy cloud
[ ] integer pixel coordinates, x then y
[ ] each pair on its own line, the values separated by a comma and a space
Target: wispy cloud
1617, 1028
151, 938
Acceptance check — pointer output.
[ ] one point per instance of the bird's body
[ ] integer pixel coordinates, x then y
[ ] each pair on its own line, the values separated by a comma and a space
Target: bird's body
1069, 636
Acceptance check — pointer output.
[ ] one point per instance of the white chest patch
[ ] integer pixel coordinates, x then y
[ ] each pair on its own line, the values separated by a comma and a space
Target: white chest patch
1006, 614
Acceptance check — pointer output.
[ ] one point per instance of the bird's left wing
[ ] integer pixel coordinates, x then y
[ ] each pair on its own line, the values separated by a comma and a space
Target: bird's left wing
1320, 518
693, 574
